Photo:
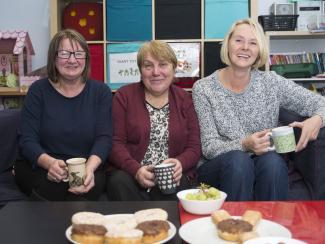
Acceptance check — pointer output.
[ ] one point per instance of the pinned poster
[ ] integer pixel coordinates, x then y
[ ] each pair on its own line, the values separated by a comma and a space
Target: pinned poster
188, 59
123, 68
122, 64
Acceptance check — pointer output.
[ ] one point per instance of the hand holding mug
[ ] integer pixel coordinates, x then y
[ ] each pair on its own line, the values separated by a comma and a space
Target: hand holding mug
178, 169
257, 142
57, 171
145, 176
309, 130
89, 183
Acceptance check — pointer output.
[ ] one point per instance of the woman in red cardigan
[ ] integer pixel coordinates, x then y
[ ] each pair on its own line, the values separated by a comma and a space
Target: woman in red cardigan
154, 122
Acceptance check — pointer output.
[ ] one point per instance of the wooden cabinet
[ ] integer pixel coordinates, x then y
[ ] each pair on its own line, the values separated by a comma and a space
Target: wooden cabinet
129, 23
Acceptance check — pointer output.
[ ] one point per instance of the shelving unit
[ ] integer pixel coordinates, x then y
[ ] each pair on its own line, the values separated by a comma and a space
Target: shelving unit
6, 91
295, 41
292, 41
175, 30
295, 34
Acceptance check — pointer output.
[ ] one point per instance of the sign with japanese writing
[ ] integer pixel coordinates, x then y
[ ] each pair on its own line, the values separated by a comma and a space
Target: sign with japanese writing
123, 68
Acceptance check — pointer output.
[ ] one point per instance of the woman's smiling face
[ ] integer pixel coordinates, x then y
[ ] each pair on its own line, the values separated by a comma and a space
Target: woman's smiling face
243, 47
70, 68
157, 75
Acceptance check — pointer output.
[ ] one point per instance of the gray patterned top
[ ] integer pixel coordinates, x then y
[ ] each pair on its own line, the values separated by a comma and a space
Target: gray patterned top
226, 117
157, 150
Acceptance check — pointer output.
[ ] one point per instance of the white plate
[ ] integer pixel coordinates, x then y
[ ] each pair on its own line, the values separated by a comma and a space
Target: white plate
274, 240
171, 232
203, 230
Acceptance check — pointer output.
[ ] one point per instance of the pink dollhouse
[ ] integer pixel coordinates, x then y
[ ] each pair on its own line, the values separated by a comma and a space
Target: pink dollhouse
15, 53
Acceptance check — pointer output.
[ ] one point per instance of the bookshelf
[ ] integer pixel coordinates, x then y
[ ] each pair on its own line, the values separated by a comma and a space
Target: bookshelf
296, 42
292, 41
6, 91
173, 21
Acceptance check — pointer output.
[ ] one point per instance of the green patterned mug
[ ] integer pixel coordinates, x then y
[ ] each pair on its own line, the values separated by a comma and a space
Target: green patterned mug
283, 139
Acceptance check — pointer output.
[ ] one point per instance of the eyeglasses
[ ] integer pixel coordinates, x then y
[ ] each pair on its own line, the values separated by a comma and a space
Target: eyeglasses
65, 54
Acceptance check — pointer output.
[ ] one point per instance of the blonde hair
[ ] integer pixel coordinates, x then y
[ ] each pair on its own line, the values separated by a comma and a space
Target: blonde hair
159, 50
263, 53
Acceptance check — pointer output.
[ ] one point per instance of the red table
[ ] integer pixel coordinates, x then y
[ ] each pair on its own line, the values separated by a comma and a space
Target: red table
305, 219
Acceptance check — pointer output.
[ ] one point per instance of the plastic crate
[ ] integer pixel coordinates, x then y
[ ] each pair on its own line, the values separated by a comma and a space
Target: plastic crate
278, 22
303, 70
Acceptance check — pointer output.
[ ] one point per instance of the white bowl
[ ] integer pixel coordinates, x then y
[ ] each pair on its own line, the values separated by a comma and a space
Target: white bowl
200, 207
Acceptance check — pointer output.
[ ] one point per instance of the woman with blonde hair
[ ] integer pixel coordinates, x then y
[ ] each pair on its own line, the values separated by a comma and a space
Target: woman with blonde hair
237, 106
154, 122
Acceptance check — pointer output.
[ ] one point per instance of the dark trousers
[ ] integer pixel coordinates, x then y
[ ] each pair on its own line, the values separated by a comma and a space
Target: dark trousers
244, 177
35, 182
121, 186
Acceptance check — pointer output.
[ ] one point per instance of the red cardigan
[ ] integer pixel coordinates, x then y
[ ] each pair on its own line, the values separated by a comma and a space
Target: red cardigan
131, 126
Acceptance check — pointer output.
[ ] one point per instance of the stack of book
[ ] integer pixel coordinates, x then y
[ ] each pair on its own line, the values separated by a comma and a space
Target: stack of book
298, 58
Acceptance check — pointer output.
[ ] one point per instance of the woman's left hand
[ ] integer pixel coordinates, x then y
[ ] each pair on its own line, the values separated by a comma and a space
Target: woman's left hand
178, 169
309, 130
91, 165
89, 183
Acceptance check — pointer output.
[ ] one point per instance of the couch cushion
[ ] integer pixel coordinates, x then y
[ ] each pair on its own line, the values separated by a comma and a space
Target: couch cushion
8, 189
9, 120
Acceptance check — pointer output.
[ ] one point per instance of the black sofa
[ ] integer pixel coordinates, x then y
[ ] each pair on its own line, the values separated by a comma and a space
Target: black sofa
306, 168
9, 120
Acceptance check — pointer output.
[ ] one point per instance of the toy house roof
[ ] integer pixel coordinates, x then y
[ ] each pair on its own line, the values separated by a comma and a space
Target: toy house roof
14, 42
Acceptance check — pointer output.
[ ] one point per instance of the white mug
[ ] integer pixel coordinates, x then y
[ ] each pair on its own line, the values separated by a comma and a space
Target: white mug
283, 139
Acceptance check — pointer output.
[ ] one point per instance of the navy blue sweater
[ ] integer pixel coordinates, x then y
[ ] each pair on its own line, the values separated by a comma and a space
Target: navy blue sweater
66, 127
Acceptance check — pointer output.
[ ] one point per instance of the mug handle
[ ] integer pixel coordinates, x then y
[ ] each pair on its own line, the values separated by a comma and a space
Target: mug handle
272, 147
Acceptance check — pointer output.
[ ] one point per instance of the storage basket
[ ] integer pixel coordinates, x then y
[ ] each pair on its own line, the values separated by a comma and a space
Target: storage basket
303, 70
278, 22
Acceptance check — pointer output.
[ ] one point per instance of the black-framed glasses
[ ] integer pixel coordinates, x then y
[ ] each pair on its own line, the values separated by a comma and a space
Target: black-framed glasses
65, 54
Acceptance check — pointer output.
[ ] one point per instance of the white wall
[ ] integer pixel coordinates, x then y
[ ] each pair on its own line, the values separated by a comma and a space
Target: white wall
264, 5
32, 16
282, 46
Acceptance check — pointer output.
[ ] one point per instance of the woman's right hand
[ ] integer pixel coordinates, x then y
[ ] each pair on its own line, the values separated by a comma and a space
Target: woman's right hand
258, 142
57, 171
145, 176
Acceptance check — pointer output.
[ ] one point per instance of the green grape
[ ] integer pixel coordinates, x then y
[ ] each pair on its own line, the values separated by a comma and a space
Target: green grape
201, 196
190, 196
204, 193
214, 192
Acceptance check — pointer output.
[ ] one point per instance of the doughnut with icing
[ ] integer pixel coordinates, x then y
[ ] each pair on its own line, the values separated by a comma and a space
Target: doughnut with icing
220, 215
120, 222
150, 214
131, 236
240, 230
252, 217
154, 230
89, 218
87, 227
231, 229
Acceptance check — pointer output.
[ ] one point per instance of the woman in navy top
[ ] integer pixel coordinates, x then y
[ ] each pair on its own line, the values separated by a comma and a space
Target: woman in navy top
65, 115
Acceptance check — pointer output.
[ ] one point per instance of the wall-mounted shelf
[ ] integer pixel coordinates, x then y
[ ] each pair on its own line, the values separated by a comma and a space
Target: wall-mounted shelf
6, 91
294, 35
312, 79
